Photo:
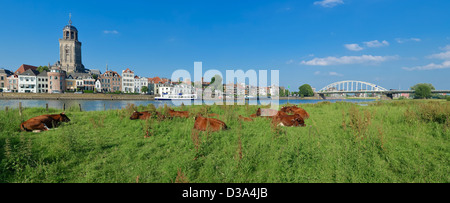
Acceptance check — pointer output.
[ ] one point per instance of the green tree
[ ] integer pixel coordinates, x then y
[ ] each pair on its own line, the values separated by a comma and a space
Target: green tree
306, 90
43, 68
422, 90
144, 89
216, 83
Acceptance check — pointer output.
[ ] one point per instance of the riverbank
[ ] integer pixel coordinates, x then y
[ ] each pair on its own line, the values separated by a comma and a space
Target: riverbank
72, 96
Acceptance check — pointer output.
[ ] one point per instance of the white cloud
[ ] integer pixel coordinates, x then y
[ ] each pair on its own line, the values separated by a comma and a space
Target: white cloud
115, 32
432, 66
376, 43
443, 55
346, 60
446, 48
329, 74
404, 40
335, 74
329, 3
353, 47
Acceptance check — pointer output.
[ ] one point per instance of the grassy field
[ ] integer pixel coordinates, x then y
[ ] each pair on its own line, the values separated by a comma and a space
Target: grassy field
397, 141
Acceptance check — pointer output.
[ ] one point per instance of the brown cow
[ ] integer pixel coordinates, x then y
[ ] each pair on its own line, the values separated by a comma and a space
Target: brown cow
211, 124
245, 118
295, 110
182, 114
289, 120
145, 115
43, 122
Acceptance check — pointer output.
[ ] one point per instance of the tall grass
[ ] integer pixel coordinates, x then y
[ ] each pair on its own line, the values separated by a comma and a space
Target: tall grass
400, 141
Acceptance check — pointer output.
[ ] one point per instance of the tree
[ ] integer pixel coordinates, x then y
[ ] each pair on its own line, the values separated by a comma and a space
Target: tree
422, 90
42, 68
144, 89
216, 83
306, 90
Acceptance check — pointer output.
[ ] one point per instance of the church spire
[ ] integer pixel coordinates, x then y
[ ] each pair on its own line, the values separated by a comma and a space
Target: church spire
70, 19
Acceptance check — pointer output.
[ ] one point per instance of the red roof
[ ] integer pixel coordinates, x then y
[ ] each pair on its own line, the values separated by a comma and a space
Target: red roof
24, 68
128, 71
157, 80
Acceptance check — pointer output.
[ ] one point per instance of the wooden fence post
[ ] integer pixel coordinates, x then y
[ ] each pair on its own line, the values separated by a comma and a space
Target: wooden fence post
20, 108
80, 107
46, 107
64, 106
6, 109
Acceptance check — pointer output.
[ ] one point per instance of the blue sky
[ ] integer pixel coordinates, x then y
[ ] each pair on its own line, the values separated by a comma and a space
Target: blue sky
392, 43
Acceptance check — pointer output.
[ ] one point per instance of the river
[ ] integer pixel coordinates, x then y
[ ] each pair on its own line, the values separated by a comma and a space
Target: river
100, 105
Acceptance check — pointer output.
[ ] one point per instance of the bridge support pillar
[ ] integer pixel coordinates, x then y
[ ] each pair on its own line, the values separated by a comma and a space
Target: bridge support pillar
390, 96
323, 96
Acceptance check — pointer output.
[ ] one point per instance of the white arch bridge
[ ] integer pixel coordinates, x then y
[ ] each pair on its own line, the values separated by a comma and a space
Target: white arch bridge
362, 88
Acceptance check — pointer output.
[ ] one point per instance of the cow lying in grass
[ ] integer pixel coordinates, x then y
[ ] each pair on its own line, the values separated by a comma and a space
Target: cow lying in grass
208, 124
145, 115
288, 120
295, 110
181, 114
43, 122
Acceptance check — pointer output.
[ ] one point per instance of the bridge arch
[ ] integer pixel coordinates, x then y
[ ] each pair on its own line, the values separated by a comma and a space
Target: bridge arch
352, 86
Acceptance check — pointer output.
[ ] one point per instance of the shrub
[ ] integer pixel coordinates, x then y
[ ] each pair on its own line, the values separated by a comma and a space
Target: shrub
429, 112
359, 122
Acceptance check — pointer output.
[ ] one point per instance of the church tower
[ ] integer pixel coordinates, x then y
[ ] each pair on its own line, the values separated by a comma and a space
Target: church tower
70, 50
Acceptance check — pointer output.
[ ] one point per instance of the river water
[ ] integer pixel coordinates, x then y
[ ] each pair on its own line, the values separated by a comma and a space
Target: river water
100, 105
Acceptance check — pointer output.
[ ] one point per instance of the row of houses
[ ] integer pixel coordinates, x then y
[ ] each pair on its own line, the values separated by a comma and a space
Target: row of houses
27, 79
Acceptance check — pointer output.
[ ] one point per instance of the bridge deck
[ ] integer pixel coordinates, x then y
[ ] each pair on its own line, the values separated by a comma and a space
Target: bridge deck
381, 92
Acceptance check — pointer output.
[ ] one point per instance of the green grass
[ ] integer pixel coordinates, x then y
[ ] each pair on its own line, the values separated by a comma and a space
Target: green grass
398, 141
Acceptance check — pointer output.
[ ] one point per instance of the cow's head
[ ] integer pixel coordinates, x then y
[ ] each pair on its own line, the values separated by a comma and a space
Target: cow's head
298, 120
135, 115
258, 112
63, 117
199, 115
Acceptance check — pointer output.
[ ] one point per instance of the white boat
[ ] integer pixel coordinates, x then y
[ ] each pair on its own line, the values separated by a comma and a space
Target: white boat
177, 97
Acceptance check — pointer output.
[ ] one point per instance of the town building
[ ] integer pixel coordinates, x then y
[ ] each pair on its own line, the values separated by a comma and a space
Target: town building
42, 82
56, 79
111, 81
13, 83
71, 84
155, 83
128, 81
27, 81
4, 74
